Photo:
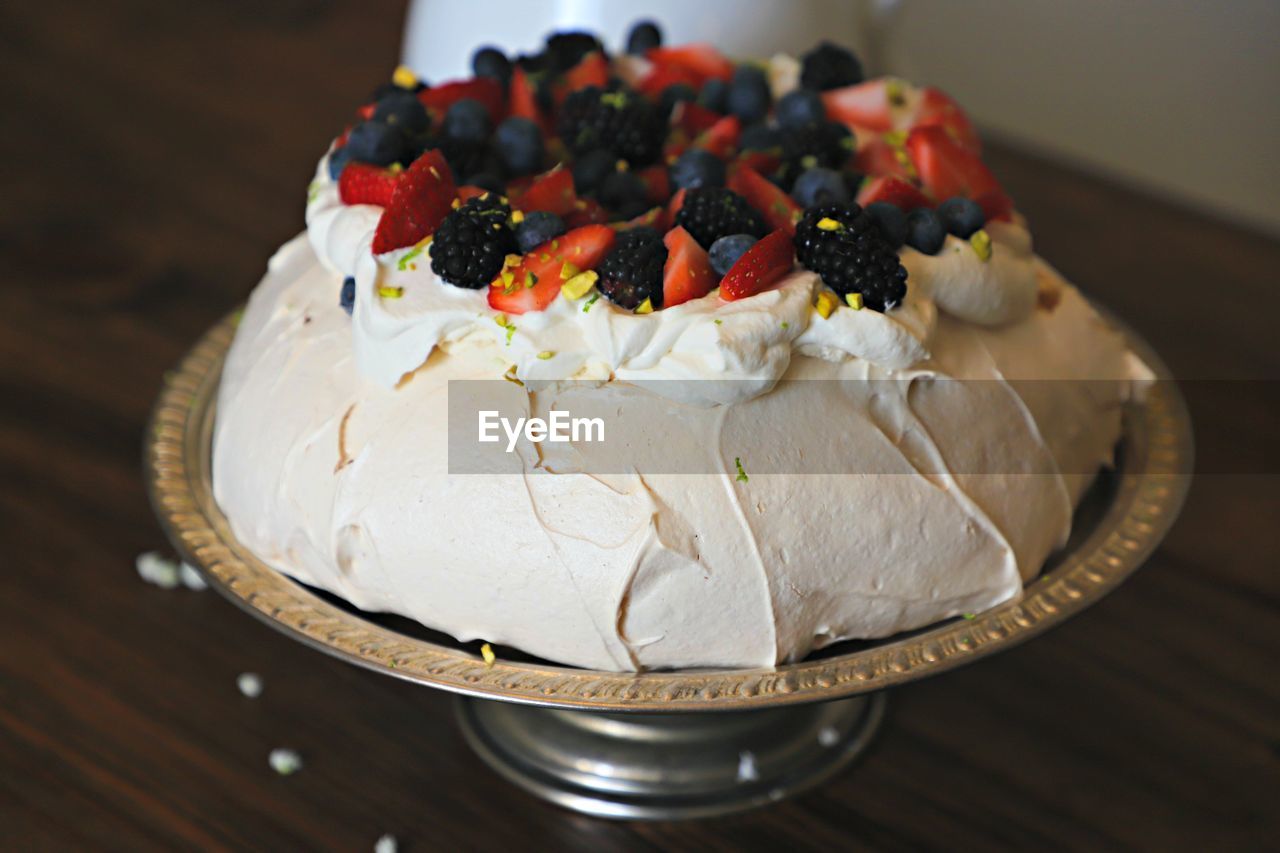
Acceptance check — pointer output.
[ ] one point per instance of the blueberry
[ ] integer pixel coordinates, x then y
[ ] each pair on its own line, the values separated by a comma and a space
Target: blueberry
467, 121
519, 144
537, 228
697, 168
891, 219
643, 37
337, 160
347, 296
674, 94
391, 89
853, 180
749, 96
591, 169
925, 231
402, 109
375, 143
490, 62
759, 137
715, 95
820, 186
800, 107
620, 190
726, 251
961, 216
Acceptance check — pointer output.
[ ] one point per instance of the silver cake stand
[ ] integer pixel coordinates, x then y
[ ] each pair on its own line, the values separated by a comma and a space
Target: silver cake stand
665, 744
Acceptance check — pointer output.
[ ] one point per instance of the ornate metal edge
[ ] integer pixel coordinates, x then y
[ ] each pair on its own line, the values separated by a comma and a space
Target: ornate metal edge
1153, 482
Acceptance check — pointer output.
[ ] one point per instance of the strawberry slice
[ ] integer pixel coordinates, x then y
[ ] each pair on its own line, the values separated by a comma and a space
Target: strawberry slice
673, 206
591, 70
879, 157
466, 192
523, 101
422, 199
893, 190
778, 208
655, 218
366, 112
937, 108
996, 206
551, 191
702, 60
693, 118
586, 211
947, 168
721, 139
687, 273
764, 162
662, 76
866, 106
486, 90
657, 183
536, 280
361, 183
760, 267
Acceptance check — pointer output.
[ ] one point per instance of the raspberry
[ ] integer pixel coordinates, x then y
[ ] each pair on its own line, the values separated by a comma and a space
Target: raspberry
472, 242
843, 244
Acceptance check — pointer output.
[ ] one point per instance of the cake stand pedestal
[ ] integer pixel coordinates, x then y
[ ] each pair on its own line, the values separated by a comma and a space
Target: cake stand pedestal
668, 744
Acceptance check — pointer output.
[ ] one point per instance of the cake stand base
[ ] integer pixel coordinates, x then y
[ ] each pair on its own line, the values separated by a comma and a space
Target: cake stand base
669, 766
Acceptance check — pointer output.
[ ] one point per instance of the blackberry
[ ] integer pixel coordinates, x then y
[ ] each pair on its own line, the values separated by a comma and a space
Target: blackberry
632, 271
565, 50
709, 213
829, 66
616, 120
826, 144
473, 241
843, 244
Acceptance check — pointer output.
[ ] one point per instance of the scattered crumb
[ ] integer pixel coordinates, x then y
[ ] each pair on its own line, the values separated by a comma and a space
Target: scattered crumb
828, 736
250, 684
747, 767
157, 570
286, 762
386, 844
192, 579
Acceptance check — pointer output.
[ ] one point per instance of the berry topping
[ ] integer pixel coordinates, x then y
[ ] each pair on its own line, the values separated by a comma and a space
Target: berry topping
867, 105
800, 107
726, 251
523, 101
632, 273
592, 70
891, 220
590, 170
882, 157
938, 109
535, 281
422, 198
624, 192
827, 144
619, 121
721, 138
702, 61
467, 121
947, 168
749, 97
777, 208
714, 95
537, 228
402, 110
490, 62
843, 244
375, 143
687, 273
567, 49
829, 66
518, 142
487, 91
925, 231
551, 191
760, 267
893, 190
361, 183
347, 296
961, 216
820, 186
472, 242
709, 213
676, 93
697, 168
644, 37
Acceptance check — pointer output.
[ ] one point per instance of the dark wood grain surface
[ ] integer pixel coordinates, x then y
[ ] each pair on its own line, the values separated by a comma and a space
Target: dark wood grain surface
155, 153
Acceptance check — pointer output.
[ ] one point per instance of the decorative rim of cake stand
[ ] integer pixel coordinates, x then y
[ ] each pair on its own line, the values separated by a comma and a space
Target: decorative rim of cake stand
1152, 481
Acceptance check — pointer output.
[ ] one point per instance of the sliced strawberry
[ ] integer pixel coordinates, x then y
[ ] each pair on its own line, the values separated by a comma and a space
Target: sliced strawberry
867, 106
523, 101
879, 157
551, 191
687, 273
760, 267
422, 199
366, 112
662, 76
778, 208
486, 90
536, 280
996, 206
703, 60
673, 206
591, 70
893, 190
947, 168
657, 183
937, 108
466, 192
693, 118
721, 139
361, 183
764, 162
586, 211
655, 218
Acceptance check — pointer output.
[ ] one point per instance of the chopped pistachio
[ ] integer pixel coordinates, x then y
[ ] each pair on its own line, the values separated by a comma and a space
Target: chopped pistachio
389, 292
579, 285
742, 473
568, 271
591, 301
486, 652
854, 300
980, 240
517, 216
826, 223
546, 354
645, 307
404, 77
826, 303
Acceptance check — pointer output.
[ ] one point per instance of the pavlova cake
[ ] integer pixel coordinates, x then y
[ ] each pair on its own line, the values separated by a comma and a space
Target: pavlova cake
783, 243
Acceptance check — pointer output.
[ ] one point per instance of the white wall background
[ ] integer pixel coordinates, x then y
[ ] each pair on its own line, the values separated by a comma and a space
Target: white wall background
1181, 97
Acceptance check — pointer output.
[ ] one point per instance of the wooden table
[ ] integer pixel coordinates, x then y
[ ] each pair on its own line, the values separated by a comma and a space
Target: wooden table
155, 154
